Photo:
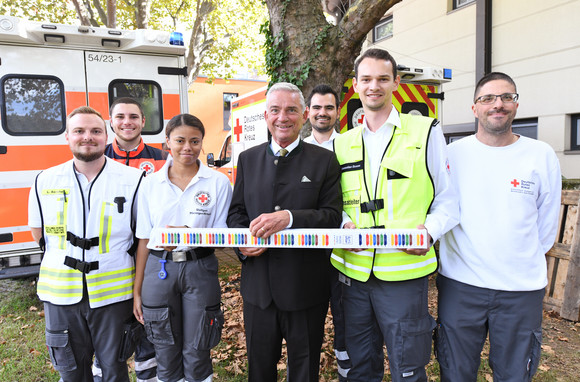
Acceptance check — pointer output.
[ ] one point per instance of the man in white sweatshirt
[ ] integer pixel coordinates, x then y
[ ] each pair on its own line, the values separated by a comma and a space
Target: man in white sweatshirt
493, 269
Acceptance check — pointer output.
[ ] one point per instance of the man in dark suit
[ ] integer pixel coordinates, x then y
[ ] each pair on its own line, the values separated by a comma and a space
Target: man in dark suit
285, 183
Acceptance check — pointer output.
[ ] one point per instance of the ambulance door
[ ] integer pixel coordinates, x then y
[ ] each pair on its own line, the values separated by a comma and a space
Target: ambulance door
38, 87
114, 75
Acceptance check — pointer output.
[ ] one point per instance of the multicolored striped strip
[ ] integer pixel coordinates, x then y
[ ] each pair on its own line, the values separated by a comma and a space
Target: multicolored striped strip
292, 238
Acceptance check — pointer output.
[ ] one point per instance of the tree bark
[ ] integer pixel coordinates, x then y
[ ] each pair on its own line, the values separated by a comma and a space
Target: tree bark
142, 10
199, 42
328, 50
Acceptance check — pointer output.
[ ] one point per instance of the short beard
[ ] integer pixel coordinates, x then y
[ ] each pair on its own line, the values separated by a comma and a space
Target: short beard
325, 130
88, 157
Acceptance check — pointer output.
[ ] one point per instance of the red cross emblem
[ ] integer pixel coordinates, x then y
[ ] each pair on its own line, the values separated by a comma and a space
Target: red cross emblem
147, 167
237, 130
515, 183
361, 119
202, 198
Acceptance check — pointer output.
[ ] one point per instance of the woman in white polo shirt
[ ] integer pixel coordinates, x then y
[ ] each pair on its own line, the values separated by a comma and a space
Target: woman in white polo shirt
177, 292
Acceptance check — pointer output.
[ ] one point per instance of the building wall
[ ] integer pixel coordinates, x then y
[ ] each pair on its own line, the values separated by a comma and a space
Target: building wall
537, 42
206, 103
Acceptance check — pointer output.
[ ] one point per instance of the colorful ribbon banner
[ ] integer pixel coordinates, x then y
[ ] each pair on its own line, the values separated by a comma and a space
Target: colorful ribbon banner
291, 238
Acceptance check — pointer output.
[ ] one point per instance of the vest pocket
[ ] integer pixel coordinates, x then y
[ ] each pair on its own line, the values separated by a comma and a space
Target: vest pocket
158, 325
416, 337
211, 327
60, 350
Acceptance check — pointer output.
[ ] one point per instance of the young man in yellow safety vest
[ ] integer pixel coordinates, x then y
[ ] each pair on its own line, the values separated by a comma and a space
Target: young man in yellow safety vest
394, 175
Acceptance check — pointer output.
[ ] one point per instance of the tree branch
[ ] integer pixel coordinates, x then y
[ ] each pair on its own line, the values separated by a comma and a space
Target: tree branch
100, 11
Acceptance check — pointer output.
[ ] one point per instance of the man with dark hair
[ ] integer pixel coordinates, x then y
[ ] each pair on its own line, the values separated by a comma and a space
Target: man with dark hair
394, 175
127, 121
285, 290
493, 272
323, 111
82, 213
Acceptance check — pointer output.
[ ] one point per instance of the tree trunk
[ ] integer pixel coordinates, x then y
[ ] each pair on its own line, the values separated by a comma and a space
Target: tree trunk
142, 10
318, 51
199, 42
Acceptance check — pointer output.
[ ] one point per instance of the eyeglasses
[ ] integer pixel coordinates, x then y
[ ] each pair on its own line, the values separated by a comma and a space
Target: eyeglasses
488, 99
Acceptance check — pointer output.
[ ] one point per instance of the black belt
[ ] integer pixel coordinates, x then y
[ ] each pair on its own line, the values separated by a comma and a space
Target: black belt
179, 256
83, 266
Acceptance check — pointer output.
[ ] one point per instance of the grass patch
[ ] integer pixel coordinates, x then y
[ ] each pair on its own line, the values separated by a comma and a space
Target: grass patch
23, 353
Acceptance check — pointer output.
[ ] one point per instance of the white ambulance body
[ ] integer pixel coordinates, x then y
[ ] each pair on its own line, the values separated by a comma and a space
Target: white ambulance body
248, 130
46, 71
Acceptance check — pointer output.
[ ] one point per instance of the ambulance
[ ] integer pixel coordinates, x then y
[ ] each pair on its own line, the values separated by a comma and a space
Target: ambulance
46, 71
419, 93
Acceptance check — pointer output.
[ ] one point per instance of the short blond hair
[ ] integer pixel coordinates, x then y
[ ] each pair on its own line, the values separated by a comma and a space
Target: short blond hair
85, 110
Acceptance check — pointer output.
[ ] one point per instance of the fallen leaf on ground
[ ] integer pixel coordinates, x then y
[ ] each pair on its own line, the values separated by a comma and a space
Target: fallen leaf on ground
544, 367
548, 349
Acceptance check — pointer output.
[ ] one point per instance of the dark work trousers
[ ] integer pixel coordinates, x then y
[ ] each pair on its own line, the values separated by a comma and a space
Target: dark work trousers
396, 312
74, 333
145, 362
468, 313
174, 310
337, 310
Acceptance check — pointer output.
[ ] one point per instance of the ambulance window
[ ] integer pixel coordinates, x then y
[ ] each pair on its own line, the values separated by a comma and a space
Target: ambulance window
228, 97
32, 105
148, 94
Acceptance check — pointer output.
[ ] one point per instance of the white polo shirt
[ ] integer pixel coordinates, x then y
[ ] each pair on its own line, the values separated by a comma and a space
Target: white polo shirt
203, 204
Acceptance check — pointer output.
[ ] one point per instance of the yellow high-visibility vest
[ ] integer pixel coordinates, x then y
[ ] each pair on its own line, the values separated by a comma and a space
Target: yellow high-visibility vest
404, 192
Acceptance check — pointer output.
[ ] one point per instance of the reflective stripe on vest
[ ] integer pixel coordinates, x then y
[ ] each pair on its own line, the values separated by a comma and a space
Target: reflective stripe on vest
407, 190
105, 226
103, 286
59, 284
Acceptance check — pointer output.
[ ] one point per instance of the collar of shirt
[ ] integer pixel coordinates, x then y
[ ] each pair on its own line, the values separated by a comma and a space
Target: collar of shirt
312, 140
276, 147
202, 172
119, 148
376, 143
393, 120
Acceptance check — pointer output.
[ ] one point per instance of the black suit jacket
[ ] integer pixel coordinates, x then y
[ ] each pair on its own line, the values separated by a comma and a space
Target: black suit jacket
306, 182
